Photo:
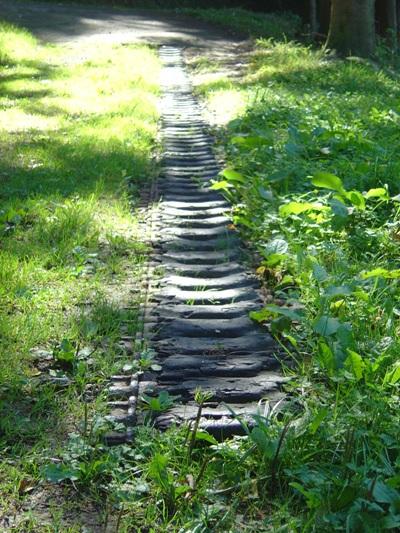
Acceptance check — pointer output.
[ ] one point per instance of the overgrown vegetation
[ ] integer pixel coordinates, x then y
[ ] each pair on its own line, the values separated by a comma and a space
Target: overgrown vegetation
312, 173
269, 25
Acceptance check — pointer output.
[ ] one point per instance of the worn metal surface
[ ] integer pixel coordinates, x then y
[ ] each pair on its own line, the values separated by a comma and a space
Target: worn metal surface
197, 319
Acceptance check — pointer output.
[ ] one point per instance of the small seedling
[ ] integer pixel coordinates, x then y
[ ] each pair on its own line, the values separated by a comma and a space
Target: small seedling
200, 397
154, 405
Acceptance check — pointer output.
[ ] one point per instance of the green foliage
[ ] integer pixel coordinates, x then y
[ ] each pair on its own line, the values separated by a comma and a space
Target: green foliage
69, 175
312, 171
155, 405
318, 199
267, 25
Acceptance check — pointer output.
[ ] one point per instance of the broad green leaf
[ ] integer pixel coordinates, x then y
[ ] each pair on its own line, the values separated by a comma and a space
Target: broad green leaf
205, 436
318, 419
263, 442
218, 185
326, 357
341, 290
326, 180
382, 493
293, 314
232, 175
58, 472
326, 325
379, 192
345, 336
361, 295
355, 364
277, 176
244, 221
392, 376
252, 141
357, 199
391, 521
293, 149
337, 304
260, 316
276, 246
295, 208
339, 209
291, 339
181, 489
313, 499
280, 324
381, 273
66, 345
266, 194
273, 310
319, 273
275, 259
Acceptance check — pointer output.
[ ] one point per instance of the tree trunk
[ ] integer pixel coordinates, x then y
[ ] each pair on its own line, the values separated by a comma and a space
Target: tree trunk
352, 27
313, 18
324, 15
392, 23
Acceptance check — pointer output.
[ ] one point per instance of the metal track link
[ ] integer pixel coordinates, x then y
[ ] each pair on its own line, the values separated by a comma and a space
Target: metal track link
196, 319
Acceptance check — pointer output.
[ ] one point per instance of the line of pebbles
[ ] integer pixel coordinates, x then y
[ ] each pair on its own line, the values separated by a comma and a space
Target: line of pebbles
196, 321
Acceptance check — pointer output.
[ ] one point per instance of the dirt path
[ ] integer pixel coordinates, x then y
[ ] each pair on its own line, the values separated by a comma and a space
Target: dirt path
60, 23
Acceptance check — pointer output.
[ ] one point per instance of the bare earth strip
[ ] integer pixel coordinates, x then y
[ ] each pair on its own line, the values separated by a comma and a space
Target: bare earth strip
61, 23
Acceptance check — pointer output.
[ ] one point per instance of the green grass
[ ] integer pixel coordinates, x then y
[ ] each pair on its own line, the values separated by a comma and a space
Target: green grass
77, 137
313, 172
268, 25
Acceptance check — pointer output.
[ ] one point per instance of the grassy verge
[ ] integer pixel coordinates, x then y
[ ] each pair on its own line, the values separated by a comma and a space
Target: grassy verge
268, 25
77, 128
312, 171
313, 177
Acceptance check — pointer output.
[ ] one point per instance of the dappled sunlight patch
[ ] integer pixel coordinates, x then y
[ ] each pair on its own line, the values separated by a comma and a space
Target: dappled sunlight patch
16, 44
225, 105
77, 134
17, 120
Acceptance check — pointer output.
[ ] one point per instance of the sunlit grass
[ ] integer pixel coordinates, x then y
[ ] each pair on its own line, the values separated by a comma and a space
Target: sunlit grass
16, 44
289, 83
71, 133
77, 135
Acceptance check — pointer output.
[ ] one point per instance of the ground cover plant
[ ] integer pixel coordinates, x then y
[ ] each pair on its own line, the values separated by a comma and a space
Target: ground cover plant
312, 170
269, 25
77, 131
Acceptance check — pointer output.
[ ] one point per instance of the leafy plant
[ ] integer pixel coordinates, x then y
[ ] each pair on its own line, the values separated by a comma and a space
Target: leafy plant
154, 405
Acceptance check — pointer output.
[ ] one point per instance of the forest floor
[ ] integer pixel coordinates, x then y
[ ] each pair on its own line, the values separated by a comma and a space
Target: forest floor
310, 143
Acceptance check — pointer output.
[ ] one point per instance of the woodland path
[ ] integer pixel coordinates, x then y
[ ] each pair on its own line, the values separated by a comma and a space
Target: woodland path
197, 322
67, 23
197, 315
